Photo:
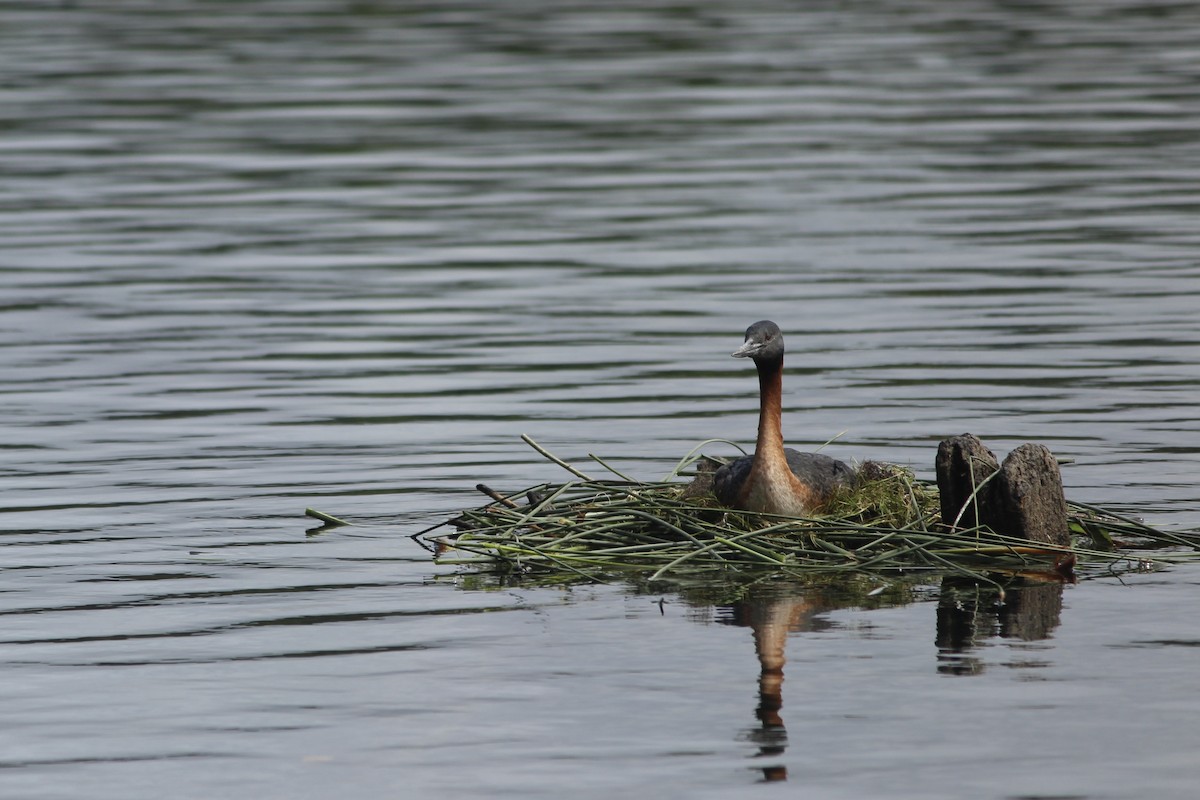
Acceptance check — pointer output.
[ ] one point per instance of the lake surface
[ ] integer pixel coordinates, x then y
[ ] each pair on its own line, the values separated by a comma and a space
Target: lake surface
258, 257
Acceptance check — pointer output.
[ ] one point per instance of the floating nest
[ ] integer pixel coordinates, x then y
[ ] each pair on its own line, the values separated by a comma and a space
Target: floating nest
887, 526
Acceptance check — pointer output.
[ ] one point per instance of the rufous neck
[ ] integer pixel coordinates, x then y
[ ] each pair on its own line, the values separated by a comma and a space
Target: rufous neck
770, 398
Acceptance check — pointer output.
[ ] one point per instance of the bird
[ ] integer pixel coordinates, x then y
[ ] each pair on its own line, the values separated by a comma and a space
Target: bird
776, 479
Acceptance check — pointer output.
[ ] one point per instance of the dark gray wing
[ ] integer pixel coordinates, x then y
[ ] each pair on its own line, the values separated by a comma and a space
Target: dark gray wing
821, 472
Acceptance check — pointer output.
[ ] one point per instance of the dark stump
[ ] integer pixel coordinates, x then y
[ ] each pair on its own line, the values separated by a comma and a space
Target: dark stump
1029, 497
963, 465
1024, 497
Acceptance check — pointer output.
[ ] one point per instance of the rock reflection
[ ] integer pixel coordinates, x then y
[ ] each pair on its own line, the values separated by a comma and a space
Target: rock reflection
969, 613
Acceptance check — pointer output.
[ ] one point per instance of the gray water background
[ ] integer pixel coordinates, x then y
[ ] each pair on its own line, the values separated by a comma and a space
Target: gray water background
261, 256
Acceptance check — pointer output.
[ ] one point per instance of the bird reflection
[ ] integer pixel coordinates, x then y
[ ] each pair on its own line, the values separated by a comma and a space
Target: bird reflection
1028, 608
771, 617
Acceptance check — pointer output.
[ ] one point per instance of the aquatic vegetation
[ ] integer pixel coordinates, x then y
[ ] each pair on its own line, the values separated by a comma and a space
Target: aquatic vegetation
884, 528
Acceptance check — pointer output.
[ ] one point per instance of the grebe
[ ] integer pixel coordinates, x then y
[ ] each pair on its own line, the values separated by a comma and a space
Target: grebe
776, 479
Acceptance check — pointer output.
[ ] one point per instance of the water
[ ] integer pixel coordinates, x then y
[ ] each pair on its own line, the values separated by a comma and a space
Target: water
258, 258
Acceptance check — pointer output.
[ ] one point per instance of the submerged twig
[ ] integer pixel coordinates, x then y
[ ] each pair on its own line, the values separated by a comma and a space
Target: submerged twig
328, 519
492, 493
